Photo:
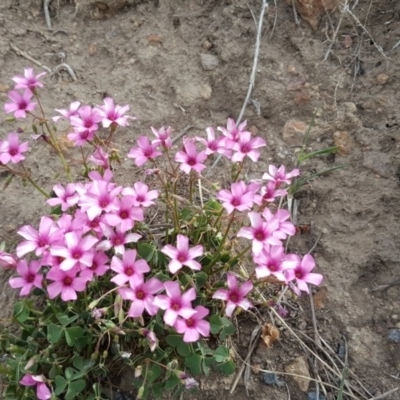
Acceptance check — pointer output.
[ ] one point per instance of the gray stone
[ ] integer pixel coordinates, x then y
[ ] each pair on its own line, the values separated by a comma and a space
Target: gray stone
209, 62
394, 335
379, 163
313, 396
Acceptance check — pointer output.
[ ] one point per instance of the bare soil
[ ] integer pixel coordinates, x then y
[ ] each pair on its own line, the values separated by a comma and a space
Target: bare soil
148, 54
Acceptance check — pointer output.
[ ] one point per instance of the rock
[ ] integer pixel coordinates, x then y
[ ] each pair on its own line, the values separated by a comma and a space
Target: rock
344, 141
4, 88
312, 10
313, 396
206, 92
269, 379
378, 162
382, 79
209, 62
293, 132
206, 45
300, 367
394, 335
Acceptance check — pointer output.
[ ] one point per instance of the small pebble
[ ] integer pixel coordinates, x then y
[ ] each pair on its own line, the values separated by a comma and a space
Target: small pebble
394, 335
270, 379
313, 396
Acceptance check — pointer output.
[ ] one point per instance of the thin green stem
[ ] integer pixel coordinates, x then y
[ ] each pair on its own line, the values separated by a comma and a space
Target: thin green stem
54, 140
33, 183
221, 245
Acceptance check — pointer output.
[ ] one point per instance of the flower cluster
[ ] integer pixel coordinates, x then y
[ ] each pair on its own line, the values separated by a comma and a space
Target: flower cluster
99, 228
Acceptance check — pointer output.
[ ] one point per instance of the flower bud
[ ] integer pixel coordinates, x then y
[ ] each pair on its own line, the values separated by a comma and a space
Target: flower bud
7, 260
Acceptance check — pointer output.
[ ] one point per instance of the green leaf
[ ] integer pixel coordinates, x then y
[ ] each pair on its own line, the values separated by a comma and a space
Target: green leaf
77, 386
215, 323
201, 279
329, 150
186, 214
193, 362
158, 389
65, 320
61, 384
56, 210
184, 349
221, 354
227, 367
174, 340
213, 206
154, 373
21, 311
207, 361
54, 333
172, 382
146, 251
69, 373
72, 334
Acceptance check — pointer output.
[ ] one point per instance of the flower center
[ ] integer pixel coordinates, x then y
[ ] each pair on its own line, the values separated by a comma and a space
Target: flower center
103, 203
139, 198
67, 281
129, 271
272, 268
181, 258
93, 266
12, 152
175, 306
77, 255
148, 152
30, 278
298, 274
259, 236
235, 202
233, 297
189, 323
140, 295
245, 148
22, 105
191, 162
124, 214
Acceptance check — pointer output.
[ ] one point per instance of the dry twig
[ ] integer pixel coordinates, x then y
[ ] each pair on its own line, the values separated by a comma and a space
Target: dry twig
47, 14
252, 76
22, 53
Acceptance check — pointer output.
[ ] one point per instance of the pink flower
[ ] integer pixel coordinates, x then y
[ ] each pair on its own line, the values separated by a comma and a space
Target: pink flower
141, 195
126, 214
100, 158
128, 269
270, 192
11, 150
98, 268
194, 326
76, 250
285, 228
146, 151
113, 114
80, 136
235, 295
101, 196
141, 294
65, 282
279, 176
42, 391
239, 198
182, 255
116, 239
29, 80
174, 303
190, 159
214, 145
72, 112
151, 337
273, 261
20, 103
7, 260
301, 273
29, 277
66, 197
86, 120
246, 146
38, 241
261, 233
163, 136
232, 131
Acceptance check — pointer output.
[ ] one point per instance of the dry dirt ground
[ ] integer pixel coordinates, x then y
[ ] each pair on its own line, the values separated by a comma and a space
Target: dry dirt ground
148, 54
